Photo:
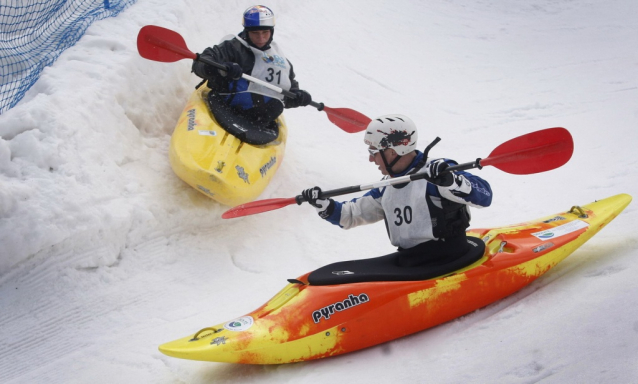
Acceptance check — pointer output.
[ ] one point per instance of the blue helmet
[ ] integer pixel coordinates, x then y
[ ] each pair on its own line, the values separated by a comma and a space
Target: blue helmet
258, 17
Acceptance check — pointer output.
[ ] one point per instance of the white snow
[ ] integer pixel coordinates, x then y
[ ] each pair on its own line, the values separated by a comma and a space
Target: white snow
105, 254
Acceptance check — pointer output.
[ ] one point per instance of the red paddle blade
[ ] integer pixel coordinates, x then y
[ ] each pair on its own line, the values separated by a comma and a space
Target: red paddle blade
260, 206
534, 152
347, 119
161, 44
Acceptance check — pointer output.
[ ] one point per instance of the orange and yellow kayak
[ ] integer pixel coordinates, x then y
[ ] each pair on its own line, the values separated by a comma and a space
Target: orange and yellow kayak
306, 321
218, 164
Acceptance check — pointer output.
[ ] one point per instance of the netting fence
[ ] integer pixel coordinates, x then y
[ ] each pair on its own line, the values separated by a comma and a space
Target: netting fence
33, 33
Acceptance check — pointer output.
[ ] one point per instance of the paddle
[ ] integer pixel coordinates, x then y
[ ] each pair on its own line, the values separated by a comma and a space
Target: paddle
534, 152
161, 44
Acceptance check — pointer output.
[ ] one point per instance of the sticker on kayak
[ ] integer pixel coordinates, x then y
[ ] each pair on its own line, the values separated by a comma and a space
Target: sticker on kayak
561, 230
207, 133
241, 324
542, 247
191, 119
264, 169
328, 310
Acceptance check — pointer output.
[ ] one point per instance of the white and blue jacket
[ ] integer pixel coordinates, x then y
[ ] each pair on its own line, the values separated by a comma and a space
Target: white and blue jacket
418, 211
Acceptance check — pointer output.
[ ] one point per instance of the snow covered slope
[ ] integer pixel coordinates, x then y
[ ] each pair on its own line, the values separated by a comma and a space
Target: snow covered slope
105, 254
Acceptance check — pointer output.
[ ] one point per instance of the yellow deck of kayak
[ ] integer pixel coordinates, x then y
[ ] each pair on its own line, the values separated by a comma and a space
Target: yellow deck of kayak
218, 164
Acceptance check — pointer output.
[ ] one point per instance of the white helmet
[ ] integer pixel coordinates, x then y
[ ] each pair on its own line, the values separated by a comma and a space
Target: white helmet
392, 131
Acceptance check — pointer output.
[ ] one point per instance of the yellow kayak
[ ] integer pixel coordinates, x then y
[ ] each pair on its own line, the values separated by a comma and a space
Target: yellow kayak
219, 164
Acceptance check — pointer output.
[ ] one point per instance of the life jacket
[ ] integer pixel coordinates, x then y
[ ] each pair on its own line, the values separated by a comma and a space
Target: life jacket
452, 218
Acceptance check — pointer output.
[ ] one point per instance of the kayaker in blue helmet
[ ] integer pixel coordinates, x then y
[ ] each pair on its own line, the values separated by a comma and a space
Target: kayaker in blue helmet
254, 53
426, 218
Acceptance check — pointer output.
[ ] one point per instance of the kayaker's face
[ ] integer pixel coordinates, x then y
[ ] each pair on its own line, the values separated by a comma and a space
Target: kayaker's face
375, 157
259, 38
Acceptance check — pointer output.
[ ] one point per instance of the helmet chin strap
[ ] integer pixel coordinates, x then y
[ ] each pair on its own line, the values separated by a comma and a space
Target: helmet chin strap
388, 167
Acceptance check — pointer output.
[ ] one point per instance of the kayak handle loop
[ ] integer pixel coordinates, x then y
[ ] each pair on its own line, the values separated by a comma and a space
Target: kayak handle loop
578, 211
215, 330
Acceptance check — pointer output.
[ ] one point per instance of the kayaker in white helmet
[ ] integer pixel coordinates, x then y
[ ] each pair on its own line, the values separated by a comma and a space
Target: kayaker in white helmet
254, 53
427, 218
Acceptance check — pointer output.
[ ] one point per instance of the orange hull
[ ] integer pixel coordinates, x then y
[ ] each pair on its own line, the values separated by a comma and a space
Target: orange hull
305, 322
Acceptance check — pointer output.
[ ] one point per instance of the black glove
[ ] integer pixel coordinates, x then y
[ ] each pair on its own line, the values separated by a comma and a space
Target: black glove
234, 71
436, 174
302, 98
324, 207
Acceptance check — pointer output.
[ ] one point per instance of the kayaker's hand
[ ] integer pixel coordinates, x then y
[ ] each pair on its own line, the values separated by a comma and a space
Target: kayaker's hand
302, 98
234, 71
311, 195
436, 173
324, 206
